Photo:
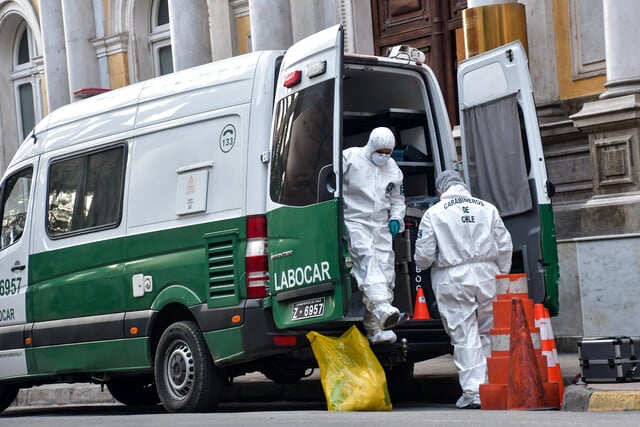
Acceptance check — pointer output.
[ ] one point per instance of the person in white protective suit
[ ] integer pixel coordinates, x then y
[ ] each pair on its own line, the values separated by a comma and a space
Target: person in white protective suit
374, 213
464, 241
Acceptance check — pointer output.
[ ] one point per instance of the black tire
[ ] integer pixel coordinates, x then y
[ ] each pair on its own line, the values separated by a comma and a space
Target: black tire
8, 393
136, 391
186, 378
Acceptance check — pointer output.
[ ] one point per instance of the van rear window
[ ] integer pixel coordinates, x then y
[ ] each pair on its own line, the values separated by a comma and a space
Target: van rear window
85, 192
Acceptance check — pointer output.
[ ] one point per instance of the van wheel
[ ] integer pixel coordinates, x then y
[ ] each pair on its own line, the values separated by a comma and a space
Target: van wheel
8, 393
186, 378
138, 391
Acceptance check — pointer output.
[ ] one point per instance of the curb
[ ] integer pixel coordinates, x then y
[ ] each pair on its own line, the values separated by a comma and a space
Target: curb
584, 398
614, 401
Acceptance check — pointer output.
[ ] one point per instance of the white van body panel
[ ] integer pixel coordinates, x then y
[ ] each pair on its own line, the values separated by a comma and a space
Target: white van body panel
150, 117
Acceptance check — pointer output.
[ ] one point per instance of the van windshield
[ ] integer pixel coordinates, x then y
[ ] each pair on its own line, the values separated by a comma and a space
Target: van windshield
302, 146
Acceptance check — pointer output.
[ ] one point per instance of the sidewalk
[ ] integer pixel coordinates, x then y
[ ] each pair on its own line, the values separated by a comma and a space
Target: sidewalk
434, 381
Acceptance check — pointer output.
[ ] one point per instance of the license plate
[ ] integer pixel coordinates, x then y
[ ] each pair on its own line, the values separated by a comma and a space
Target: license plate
308, 309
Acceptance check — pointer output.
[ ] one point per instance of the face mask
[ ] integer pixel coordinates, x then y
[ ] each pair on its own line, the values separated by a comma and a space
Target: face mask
379, 159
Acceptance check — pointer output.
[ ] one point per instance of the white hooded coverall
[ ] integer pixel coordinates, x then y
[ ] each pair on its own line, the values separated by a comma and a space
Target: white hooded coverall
373, 196
464, 241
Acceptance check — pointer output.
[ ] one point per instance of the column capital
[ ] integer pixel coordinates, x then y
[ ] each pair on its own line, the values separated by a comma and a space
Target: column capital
608, 113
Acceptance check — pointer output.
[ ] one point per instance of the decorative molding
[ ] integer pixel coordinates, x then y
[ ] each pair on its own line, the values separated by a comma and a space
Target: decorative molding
345, 16
613, 160
111, 45
240, 8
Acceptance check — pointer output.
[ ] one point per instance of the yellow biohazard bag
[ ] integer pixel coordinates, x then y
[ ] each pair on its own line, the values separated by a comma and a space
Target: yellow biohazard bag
351, 375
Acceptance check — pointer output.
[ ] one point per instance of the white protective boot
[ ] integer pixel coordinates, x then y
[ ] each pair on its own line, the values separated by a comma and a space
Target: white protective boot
468, 401
386, 315
379, 337
375, 335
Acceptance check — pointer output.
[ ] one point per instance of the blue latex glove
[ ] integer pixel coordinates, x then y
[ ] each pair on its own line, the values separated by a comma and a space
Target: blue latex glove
394, 227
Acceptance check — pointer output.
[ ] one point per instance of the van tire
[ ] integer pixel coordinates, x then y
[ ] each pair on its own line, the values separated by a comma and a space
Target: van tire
134, 391
8, 393
186, 378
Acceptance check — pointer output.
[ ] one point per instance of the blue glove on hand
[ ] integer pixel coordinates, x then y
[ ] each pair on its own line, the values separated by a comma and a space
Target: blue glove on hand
394, 227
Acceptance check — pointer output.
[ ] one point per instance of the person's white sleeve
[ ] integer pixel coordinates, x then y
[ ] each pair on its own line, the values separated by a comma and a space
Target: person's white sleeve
426, 244
398, 208
346, 163
504, 243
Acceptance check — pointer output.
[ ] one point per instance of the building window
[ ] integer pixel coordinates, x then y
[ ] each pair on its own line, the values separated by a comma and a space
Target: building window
27, 110
26, 81
160, 38
24, 55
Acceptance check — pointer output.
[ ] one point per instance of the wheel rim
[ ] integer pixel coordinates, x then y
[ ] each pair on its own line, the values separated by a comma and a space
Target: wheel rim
179, 366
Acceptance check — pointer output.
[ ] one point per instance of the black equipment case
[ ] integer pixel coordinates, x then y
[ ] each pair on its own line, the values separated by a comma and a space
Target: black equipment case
610, 359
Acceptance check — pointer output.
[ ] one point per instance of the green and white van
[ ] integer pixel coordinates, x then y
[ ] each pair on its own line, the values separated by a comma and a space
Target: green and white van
168, 236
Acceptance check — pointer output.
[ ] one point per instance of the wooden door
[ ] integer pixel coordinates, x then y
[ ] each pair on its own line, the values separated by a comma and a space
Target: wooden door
434, 27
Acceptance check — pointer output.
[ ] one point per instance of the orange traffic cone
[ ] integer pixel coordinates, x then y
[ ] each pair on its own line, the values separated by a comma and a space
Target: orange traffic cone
525, 389
548, 343
420, 311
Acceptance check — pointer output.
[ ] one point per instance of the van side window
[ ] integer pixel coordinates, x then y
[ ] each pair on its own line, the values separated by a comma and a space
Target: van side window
15, 201
85, 192
303, 146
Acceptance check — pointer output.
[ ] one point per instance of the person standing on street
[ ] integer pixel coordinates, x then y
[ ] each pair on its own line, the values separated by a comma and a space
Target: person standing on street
374, 213
465, 242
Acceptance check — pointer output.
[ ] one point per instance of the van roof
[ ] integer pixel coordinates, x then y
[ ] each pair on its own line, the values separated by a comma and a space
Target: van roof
210, 74
116, 111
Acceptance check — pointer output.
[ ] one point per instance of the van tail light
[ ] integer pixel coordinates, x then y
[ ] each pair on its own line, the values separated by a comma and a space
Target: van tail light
285, 340
256, 262
292, 78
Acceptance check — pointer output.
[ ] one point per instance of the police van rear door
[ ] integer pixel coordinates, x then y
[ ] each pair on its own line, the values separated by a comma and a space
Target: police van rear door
504, 161
304, 214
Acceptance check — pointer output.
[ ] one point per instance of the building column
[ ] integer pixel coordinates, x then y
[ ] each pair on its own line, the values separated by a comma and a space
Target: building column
610, 220
55, 54
623, 62
223, 30
190, 38
270, 24
488, 24
79, 30
311, 16
613, 121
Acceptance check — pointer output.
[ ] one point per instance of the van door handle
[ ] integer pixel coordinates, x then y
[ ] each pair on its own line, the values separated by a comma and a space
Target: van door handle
17, 267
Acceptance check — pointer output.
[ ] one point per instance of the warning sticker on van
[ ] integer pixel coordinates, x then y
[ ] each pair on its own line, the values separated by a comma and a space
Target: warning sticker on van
307, 309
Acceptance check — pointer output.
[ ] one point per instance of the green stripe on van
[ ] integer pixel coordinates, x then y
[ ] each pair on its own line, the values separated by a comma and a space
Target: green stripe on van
549, 247
96, 278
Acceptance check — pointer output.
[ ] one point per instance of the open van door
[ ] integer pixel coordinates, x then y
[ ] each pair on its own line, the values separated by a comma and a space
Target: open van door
304, 211
504, 164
